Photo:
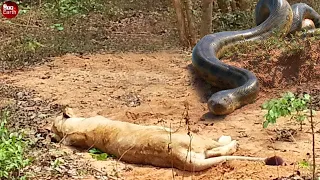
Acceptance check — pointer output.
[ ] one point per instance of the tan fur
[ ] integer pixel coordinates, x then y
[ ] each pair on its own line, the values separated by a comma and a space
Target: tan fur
144, 144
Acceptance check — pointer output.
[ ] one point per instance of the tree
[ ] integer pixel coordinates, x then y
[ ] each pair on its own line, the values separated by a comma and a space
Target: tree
243, 5
206, 19
185, 22
191, 35
224, 5
180, 22
233, 5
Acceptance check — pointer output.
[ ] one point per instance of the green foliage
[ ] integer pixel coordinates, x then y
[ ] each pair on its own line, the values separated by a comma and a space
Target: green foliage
31, 45
304, 164
238, 20
23, 8
288, 104
99, 155
56, 163
59, 27
67, 8
12, 148
64, 9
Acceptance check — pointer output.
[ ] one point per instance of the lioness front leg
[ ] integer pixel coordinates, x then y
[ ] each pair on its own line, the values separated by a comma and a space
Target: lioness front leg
223, 150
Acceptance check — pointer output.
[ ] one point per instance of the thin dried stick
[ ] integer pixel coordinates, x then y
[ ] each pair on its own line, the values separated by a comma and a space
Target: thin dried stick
170, 151
313, 141
164, 127
187, 121
117, 170
21, 25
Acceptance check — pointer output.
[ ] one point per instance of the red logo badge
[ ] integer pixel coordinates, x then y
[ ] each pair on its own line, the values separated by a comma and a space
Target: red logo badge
9, 9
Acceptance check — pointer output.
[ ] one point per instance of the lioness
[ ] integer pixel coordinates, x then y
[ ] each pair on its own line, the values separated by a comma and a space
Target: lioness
152, 145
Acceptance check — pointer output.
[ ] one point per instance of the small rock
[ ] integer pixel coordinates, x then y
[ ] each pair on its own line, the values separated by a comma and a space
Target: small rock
20, 95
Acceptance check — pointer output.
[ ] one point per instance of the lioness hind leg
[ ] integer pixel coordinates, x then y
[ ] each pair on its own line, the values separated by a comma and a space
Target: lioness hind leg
202, 164
213, 157
223, 150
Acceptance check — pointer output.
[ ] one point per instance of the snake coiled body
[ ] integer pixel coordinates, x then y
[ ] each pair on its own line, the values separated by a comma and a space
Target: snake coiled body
240, 86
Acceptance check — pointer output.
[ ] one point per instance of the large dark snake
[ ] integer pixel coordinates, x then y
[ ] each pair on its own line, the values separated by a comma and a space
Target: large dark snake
240, 86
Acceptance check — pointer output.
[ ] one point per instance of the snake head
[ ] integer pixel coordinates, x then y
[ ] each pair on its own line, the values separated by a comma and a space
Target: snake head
221, 103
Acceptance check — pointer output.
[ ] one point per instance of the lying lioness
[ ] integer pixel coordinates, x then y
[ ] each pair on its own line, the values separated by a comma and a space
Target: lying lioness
139, 144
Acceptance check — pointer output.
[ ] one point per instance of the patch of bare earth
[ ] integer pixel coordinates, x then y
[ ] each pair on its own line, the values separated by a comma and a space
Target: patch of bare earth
280, 64
152, 89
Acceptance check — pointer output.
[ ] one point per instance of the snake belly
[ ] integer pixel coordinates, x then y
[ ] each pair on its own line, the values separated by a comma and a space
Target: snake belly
240, 86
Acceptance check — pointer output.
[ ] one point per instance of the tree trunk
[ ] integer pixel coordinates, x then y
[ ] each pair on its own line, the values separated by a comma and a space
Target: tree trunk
233, 5
244, 5
181, 22
312, 3
215, 6
191, 35
224, 5
206, 20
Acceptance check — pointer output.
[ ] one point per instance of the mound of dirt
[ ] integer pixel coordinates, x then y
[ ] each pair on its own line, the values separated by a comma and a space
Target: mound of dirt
279, 64
315, 94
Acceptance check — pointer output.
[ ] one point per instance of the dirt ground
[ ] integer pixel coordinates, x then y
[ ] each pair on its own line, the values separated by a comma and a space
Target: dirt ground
153, 89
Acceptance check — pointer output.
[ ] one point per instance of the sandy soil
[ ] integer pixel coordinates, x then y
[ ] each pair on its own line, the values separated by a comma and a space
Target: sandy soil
153, 89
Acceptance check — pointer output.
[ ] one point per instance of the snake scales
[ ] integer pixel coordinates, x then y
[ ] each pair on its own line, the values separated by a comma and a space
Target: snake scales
240, 86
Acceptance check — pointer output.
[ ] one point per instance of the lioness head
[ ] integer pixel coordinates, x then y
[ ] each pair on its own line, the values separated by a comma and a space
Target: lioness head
58, 122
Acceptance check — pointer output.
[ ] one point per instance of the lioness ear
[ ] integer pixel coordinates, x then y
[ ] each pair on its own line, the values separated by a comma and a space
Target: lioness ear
67, 113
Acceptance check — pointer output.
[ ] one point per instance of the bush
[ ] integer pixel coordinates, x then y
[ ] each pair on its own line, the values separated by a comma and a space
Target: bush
12, 148
288, 104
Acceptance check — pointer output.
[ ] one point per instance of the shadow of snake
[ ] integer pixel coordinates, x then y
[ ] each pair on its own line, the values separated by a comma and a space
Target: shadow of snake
240, 86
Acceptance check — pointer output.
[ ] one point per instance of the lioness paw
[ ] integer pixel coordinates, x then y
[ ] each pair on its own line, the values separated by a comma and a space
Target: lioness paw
224, 140
234, 145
